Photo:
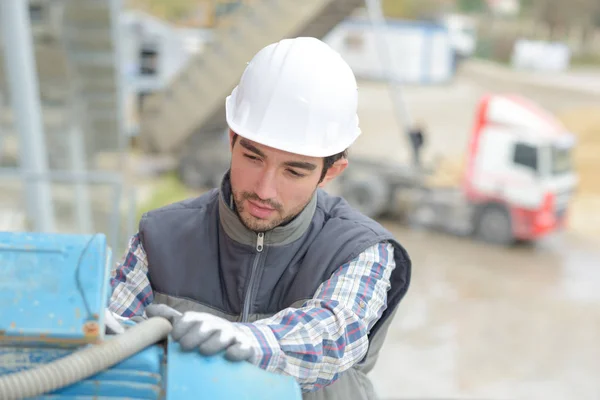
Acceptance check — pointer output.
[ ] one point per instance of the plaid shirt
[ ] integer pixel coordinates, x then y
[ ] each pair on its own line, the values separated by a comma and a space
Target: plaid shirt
314, 343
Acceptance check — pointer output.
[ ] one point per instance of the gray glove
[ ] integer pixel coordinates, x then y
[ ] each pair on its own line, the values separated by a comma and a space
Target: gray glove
205, 332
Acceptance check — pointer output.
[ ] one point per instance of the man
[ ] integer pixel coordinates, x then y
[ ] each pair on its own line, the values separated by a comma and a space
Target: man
417, 139
269, 268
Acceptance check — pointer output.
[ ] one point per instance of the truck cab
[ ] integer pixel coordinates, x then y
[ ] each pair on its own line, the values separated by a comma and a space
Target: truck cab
519, 176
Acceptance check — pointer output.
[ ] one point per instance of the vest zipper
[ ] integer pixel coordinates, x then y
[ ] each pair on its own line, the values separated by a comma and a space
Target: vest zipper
250, 289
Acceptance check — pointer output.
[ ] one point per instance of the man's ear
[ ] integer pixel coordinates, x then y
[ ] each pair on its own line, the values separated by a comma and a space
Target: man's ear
336, 169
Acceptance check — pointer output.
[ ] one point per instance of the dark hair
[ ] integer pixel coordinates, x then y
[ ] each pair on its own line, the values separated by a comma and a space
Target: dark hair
327, 161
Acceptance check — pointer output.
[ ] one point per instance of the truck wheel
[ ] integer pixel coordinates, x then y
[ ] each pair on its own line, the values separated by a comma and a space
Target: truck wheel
369, 197
494, 226
422, 215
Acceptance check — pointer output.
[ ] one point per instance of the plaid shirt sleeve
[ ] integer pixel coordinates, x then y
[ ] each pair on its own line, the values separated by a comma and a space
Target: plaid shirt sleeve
131, 289
328, 334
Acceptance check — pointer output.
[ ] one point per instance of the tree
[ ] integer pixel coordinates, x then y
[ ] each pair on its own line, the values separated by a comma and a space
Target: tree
471, 6
562, 15
414, 9
171, 10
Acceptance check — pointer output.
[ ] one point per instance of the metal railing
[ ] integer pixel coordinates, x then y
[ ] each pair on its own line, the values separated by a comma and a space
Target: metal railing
118, 197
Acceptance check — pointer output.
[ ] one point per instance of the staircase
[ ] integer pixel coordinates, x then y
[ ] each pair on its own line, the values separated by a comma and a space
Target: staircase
90, 37
78, 74
193, 108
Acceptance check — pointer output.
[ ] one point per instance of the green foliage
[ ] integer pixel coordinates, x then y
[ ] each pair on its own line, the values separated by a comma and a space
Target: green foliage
471, 6
411, 9
527, 4
396, 8
167, 190
170, 10
586, 60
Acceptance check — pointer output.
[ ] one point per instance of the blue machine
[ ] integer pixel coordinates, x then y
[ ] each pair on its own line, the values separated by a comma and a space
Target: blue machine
53, 292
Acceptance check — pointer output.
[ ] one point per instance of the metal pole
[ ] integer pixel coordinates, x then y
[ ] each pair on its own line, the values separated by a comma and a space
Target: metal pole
23, 81
115, 226
83, 205
116, 32
387, 61
131, 218
115, 27
75, 131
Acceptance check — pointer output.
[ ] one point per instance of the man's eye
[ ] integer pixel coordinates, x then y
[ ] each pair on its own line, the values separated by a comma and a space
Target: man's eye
251, 157
295, 174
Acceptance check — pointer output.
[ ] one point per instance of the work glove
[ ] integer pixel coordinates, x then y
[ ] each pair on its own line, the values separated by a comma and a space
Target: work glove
205, 332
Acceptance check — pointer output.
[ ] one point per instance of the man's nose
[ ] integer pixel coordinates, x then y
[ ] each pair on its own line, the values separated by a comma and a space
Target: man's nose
265, 187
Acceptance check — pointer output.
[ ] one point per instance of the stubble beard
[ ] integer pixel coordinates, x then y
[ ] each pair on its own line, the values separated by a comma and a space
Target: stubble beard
260, 225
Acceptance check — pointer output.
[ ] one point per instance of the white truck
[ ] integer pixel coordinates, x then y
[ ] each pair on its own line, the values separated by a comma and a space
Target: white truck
516, 185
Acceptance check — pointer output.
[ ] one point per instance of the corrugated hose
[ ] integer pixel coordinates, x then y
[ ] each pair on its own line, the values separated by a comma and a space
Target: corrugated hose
84, 363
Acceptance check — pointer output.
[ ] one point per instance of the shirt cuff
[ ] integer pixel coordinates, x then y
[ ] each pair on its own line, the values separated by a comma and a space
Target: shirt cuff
268, 353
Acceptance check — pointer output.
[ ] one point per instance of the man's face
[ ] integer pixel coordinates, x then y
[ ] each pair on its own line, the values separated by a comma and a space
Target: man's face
270, 187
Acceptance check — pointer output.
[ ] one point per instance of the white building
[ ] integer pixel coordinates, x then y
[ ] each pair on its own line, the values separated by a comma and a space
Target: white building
166, 49
421, 52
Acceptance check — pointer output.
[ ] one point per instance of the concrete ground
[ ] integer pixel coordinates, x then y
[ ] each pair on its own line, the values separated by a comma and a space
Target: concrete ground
478, 321
486, 323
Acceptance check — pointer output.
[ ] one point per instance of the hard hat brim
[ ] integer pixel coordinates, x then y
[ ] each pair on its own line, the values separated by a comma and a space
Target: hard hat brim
309, 149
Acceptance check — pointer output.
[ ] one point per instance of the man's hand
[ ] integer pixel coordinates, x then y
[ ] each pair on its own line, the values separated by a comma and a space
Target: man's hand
205, 332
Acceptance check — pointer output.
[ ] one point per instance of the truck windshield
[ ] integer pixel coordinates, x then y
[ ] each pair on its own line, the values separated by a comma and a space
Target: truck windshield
561, 160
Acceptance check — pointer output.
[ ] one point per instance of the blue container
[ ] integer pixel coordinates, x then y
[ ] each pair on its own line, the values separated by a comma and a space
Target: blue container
53, 288
192, 376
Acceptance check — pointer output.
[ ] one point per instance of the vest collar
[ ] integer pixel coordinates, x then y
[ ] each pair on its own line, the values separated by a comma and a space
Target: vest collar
281, 235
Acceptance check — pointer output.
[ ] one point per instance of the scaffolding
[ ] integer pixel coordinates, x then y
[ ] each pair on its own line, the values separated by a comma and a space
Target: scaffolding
84, 96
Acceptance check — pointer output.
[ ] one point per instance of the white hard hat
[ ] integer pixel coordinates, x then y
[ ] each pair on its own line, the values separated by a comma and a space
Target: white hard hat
299, 96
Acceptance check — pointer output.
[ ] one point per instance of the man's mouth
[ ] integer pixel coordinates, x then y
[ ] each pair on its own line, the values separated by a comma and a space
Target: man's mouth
258, 210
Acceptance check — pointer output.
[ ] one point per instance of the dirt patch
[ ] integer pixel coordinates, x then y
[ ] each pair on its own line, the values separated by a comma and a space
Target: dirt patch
449, 172
585, 124
585, 211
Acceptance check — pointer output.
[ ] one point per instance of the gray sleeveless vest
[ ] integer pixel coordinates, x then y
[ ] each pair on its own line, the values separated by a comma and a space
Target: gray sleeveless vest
202, 258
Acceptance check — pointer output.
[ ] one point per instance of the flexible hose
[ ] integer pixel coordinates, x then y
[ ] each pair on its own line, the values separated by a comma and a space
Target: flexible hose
83, 363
